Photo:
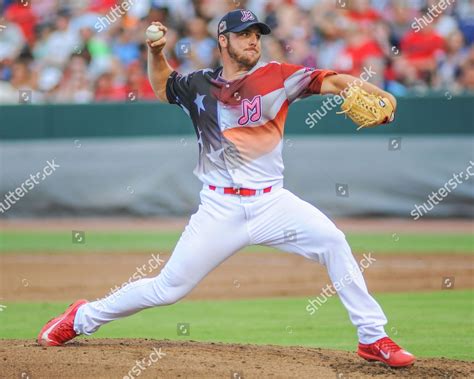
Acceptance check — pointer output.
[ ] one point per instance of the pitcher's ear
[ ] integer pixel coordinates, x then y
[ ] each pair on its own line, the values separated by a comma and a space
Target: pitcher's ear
223, 40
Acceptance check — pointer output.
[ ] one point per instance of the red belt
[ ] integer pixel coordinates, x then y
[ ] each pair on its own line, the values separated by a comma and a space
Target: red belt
241, 191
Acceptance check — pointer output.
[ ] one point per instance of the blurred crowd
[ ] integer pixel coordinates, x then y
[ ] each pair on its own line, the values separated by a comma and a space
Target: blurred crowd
82, 51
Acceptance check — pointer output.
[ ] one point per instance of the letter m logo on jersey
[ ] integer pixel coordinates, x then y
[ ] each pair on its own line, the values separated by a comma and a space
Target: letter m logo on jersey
247, 16
251, 110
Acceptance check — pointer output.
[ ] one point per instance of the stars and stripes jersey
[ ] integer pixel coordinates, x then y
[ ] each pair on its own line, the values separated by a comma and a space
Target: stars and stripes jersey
240, 124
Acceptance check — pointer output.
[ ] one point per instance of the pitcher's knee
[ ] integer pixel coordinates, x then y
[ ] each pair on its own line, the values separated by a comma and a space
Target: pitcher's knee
171, 295
170, 290
336, 243
329, 245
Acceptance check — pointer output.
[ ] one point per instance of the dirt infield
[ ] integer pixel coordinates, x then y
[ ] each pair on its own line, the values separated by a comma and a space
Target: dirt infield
348, 225
60, 277
116, 358
54, 277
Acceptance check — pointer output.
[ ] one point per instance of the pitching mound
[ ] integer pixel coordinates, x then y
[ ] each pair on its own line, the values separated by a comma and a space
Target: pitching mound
131, 358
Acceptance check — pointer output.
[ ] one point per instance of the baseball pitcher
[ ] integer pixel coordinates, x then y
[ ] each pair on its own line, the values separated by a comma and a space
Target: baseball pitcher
239, 112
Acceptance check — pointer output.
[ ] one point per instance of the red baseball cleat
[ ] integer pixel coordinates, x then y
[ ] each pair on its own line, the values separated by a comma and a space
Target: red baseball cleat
59, 330
386, 351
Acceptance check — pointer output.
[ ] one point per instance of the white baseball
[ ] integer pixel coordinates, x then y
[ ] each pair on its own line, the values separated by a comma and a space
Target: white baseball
153, 33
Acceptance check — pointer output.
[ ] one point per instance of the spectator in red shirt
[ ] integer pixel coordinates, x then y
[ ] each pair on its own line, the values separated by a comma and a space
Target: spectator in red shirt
24, 18
107, 90
421, 48
138, 83
360, 47
102, 6
362, 12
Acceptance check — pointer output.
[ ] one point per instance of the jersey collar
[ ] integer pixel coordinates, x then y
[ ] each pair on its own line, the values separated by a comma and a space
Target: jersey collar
255, 68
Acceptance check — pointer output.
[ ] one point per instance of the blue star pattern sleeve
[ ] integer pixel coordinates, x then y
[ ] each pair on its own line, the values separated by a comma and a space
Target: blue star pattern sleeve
179, 90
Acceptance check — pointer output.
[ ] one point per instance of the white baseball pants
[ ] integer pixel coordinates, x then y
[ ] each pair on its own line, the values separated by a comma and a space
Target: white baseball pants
225, 224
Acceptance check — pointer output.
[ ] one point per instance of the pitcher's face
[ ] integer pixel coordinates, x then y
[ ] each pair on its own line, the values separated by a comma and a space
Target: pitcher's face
245, 47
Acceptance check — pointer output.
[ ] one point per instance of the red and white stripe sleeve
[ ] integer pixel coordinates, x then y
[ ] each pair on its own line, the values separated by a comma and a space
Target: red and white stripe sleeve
300, 81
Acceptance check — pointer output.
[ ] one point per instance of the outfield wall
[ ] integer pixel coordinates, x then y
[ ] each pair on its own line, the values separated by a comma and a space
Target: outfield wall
432, 115
137, 159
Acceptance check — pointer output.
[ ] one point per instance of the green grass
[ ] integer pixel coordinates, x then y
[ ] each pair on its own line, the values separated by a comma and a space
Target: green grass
30, 241
432, 324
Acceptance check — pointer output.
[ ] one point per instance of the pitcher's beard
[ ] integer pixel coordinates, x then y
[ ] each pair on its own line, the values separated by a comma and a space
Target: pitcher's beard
244, 62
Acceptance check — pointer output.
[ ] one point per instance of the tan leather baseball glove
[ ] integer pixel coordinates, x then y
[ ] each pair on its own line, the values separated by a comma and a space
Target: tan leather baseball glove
367, 110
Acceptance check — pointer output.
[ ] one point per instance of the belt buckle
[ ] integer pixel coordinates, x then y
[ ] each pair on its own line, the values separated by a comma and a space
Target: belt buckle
237, 190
